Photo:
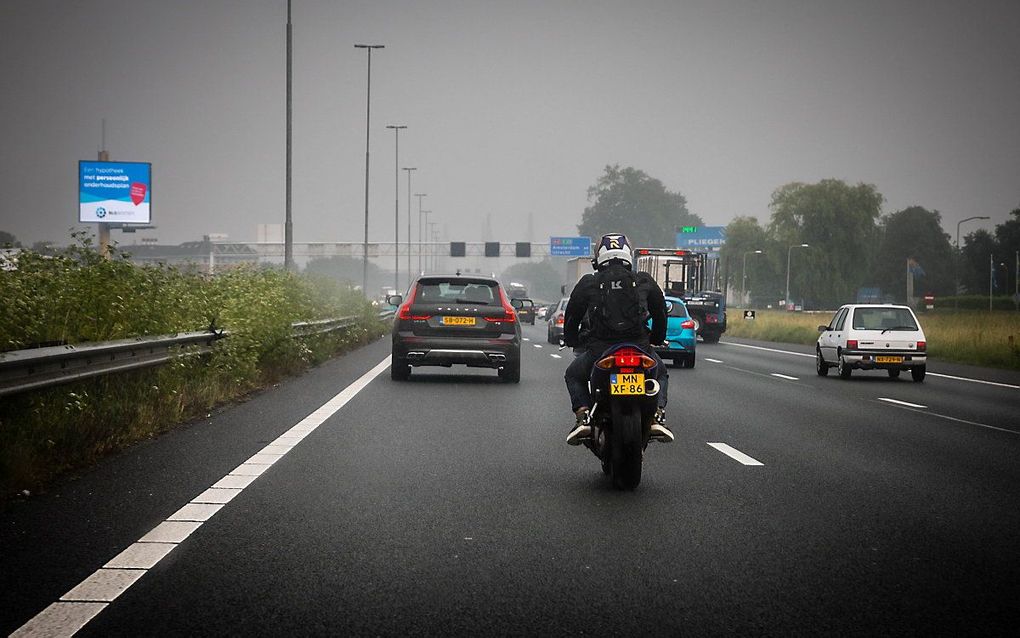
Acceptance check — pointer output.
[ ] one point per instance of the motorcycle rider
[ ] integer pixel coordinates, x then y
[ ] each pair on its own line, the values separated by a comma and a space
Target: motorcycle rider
614, 265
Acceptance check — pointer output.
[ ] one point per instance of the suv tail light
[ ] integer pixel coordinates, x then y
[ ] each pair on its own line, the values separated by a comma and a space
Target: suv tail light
509, 316
559, 320
922, 346
404, 313
851, 344
711, 319
687, 325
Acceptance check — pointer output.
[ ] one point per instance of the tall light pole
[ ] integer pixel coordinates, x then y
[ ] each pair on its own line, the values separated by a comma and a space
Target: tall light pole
409, 169
743, 276
419, 196
434, 238
288, 223
368, 129
396, 206
421, 246
788, 253
956, 290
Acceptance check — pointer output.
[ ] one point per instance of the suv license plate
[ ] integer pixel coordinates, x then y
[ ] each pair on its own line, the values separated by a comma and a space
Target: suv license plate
629, 384
458, 321
888, 359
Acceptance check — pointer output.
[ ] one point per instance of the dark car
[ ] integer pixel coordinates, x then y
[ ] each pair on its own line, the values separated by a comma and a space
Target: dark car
455, 319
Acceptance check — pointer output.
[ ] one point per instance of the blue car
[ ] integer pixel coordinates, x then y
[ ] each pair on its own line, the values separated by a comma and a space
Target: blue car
681, 334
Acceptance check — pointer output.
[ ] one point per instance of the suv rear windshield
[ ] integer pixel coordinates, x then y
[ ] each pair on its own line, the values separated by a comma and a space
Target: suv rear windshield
883, 319
465, 291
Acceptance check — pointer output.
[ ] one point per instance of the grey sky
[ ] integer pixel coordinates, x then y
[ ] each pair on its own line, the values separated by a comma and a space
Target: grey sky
512, 107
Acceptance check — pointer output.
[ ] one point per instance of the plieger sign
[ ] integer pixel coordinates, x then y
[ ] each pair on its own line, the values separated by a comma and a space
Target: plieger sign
114, 192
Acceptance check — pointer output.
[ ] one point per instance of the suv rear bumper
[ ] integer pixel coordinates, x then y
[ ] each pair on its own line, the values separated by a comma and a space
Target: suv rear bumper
438, 351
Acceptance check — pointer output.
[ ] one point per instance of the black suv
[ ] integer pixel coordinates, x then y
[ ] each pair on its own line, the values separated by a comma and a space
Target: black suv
455, 319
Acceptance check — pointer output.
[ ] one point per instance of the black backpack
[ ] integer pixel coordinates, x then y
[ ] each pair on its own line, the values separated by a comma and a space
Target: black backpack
621, 308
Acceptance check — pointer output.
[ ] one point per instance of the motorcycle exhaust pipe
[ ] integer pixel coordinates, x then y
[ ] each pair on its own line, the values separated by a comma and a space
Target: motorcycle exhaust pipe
651, 387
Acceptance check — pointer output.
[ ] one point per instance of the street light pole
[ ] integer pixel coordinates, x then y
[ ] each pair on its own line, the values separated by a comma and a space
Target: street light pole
288, 222
419, 196
743, 276
396, 206
421, 246
409, 222
368, 129
956, 290
788, 252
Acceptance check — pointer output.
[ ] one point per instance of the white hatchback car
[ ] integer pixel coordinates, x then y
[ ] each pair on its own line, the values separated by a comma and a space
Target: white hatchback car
871, 336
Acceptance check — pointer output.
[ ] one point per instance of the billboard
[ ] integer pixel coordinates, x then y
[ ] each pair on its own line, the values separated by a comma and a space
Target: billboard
570, 246
701, 238
114, 192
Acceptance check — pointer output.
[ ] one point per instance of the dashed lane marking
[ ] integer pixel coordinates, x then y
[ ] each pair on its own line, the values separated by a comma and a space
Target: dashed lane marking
785, 376
897, 402
735, 454
712, 360
537, 345
80, 605
555, 356
526, 339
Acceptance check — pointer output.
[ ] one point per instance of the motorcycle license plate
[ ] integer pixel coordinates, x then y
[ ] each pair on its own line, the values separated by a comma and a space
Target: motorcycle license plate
628, 384
888, 359
458, 321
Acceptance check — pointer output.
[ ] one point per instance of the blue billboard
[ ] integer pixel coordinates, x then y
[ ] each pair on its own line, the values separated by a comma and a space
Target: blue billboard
570, 246
115, 192
701, 238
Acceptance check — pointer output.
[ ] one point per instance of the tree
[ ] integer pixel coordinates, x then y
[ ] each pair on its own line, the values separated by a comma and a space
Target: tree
628, 201
913, 233
838, 222
744, 235
349, 269
542, 278
978, 248
1007, 235
7, 240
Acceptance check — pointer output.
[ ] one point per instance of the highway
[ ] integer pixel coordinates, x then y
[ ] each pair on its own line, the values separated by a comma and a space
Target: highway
343, 503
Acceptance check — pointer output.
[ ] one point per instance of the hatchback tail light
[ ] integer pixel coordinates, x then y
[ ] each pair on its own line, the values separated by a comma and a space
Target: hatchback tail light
687, 325
559, 320
851, 344
922, 346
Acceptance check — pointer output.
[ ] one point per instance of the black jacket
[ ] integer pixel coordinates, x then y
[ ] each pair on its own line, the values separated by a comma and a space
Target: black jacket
585, 295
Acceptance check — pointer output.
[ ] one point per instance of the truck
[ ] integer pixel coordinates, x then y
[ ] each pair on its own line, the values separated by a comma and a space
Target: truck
576, 268
685, 274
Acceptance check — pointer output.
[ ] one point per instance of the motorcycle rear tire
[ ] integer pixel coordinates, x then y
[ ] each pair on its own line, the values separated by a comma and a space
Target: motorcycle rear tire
627, 450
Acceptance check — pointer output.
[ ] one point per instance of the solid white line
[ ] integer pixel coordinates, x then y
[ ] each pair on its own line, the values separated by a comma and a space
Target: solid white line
930, 374
735, 454
712, 360
909, 405
80, 605
785, 376
555, 356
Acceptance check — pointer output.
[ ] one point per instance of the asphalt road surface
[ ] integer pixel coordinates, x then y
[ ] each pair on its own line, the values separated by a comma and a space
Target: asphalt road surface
343, 503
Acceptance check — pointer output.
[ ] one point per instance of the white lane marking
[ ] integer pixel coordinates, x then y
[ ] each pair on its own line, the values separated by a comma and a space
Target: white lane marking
60, 619
712, 360
735, 454
537, 345
525, 338
909, 405
555, 356
236, 482
785, 376
930, 374
141, 556
80, 605
103, 586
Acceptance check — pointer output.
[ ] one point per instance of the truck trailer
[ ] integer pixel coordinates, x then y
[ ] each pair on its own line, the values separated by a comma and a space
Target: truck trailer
685, 275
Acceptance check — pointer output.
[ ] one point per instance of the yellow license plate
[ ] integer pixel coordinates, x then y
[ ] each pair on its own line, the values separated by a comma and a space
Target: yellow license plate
630, 384
888, 359
458, 321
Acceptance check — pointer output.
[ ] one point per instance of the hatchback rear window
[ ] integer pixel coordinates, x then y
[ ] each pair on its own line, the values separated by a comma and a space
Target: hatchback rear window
678, 310
457, 291
883, 319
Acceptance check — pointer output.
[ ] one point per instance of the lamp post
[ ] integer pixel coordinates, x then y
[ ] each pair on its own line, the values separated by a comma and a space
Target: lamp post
956, 290
396, 206
288, 221
433, 235
419, 196
743, 276
409, 169
788, 253
368, 128
421, 246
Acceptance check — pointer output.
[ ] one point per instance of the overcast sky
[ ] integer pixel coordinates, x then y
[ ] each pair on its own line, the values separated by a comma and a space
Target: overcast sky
512, 108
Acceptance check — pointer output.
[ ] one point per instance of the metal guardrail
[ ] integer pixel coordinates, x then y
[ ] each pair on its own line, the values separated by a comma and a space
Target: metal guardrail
37, 368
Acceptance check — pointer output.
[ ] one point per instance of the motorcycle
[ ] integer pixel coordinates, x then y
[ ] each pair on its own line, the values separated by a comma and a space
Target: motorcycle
623, 389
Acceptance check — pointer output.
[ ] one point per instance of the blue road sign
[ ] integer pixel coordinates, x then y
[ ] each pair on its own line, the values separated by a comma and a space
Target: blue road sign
570, 246
705, 238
